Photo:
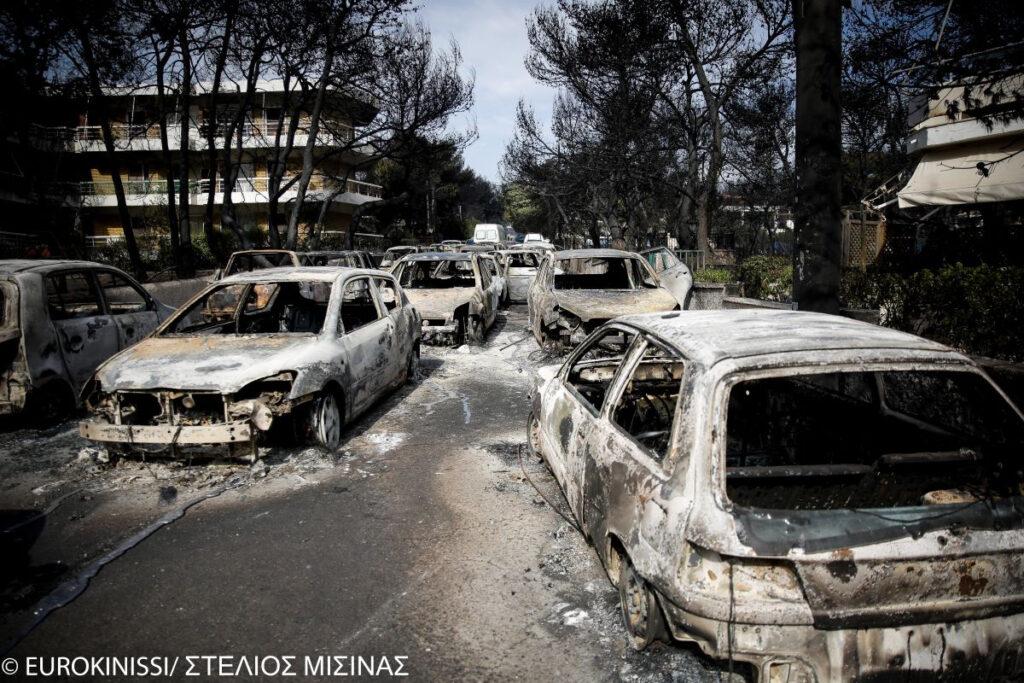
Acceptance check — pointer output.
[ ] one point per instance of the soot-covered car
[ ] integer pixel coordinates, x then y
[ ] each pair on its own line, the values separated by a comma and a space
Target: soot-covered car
60, 320
520, 267
318, 344
576, 291
454, 294
811, 497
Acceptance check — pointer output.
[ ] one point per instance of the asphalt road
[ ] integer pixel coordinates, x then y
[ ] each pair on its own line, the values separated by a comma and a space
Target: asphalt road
418, 547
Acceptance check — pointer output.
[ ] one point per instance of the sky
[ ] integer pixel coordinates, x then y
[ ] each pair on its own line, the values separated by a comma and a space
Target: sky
492, 37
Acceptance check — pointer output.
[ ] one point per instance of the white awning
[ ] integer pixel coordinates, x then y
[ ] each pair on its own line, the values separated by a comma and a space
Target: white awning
952, 175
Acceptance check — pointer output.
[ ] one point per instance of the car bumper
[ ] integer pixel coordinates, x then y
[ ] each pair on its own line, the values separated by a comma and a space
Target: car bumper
228, 433
981, 648
439, 333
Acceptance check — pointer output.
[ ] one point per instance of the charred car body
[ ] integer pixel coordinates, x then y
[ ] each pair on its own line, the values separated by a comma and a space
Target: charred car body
520, 267
454, 293
319, 344
61, 319
674, 275
576, 291
816, 497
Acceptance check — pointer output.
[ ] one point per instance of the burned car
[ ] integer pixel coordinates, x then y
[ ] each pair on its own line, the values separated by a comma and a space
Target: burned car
520, 266
810, 497
318, 344
393, 254
347, 258
576, 291
454, 294
60, 320
675, 276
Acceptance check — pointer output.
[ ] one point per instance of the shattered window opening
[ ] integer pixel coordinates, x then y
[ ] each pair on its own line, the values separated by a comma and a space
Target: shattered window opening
71, 295
522, 260
261, 308
388, 294
357, 305
862, 440
649, 401
592, 372
601, 273
120, 295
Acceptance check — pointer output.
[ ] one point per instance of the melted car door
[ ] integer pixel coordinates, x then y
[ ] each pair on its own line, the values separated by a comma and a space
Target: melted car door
87, 334
398, 343
364, 333
132, 310
623, 468
586, 381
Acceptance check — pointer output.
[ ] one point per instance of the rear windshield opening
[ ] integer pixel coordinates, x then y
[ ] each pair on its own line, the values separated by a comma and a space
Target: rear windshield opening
871, 440
601, 273
437, 274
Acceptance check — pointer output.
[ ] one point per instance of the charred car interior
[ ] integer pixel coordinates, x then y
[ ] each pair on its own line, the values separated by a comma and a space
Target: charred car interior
870, 440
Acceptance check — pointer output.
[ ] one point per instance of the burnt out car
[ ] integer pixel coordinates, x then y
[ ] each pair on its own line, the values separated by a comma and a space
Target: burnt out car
675, 276
454, 294
576, 291
520, 266
60, 320
318, 344
248, 260
393, 254
813, 497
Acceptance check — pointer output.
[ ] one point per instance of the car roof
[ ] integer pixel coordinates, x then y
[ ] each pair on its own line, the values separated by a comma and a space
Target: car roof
438, 256
46, 265
712, 336
594, 253
300, 274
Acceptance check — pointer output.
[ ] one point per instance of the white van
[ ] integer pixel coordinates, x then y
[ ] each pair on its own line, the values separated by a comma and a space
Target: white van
490, 232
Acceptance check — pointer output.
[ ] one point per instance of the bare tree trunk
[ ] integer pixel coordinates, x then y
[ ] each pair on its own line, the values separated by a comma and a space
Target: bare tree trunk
307, 152
183, 256
818, 237
113, 158
214, 239
165, 148
290, 109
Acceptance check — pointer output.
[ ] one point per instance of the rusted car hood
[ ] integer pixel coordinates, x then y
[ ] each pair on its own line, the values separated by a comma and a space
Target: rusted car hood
439, 303
207, 363
604, 304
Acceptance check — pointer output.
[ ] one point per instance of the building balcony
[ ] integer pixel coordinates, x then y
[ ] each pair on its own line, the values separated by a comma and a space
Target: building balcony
246, 191
146, 137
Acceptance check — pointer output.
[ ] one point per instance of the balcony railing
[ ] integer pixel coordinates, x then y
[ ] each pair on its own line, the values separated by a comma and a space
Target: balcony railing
330, 132
261, 186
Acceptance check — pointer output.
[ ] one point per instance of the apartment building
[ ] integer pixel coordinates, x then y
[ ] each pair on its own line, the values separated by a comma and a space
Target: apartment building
257, 142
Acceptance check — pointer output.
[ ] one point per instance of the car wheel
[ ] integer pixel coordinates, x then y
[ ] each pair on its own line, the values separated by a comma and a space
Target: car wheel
640, 609
533, 434
49, 404
413, 367
325, 421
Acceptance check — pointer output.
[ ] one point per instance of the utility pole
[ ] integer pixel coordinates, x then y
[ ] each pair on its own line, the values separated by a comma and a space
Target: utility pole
817, 249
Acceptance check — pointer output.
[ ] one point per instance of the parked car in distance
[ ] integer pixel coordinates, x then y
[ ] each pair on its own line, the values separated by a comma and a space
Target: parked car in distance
520, 267
578, 290
675, 276
454, 293
392, 255
818, 498
451, 245
318, 344
61, 319
491, 232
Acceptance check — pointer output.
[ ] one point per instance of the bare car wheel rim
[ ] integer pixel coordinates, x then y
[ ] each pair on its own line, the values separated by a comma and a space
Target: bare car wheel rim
635, 605
328, 422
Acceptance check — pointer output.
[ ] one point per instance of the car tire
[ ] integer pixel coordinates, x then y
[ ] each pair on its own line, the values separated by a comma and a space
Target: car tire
324, 421
412, 368
49, 405
640, 610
